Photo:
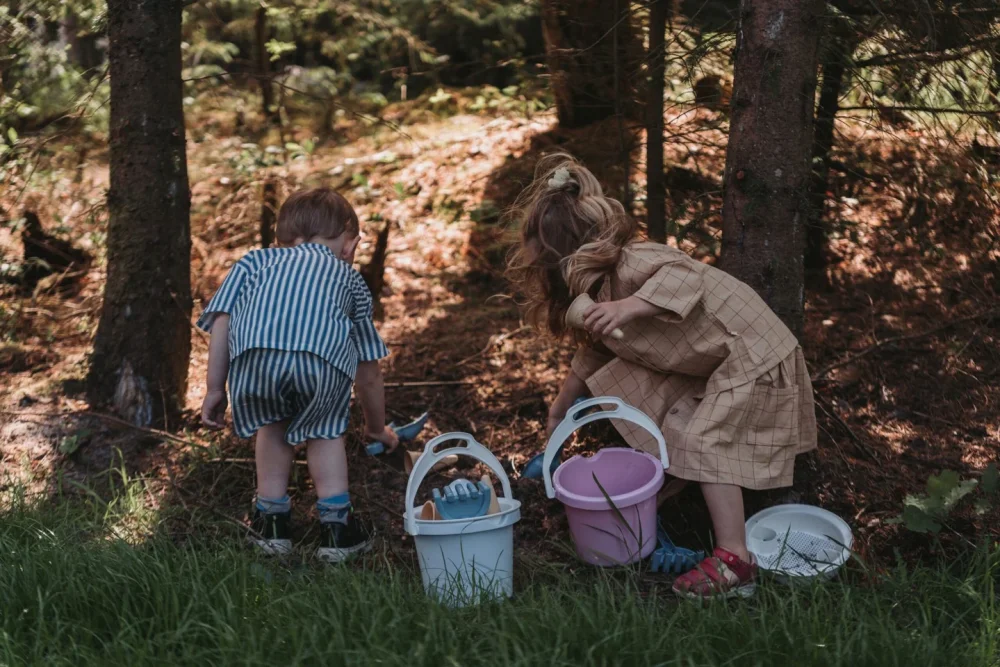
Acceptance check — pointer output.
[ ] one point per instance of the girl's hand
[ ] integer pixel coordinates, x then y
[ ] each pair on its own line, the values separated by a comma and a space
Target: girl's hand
603, 318
213, 409
386, 436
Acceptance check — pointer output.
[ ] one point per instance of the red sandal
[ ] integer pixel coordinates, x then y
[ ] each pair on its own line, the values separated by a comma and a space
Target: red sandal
722, 575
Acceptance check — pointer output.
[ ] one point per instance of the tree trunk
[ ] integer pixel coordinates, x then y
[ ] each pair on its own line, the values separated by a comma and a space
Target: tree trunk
81, 48
263, 67
580, 41
143, 343
835, 65
656, 194
268, 213
766, 201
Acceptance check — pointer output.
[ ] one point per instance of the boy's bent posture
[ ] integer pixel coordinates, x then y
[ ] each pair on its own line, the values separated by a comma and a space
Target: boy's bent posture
292, 328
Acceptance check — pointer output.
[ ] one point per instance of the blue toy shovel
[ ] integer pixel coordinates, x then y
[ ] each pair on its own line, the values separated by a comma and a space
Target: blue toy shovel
462, 499
671, 558
405, 433
533, 470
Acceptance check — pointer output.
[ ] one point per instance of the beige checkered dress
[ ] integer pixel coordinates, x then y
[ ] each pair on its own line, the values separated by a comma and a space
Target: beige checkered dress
720, 373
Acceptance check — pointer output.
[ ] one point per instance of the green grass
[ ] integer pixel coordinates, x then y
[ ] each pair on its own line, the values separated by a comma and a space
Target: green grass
72, 593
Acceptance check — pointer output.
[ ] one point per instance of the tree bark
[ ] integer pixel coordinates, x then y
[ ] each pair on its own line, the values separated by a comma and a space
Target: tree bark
835, 66
766, 200
656, 193
268, 212
143, 343
580, 44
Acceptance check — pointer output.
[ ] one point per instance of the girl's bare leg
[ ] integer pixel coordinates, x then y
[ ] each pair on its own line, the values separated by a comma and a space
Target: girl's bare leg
725, 504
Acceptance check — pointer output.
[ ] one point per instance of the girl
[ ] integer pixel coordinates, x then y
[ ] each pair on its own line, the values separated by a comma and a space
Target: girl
702, 355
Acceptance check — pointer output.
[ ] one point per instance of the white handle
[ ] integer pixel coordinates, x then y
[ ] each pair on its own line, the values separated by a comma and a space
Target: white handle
572, 422
427, 460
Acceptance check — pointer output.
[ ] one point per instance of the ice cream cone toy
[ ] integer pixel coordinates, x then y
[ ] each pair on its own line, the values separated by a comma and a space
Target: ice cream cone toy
429, 512
410, 460
574, 315
405, 433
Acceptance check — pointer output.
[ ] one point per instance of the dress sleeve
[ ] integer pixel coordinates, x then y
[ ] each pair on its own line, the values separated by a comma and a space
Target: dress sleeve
365, 337
225, 299
674, 286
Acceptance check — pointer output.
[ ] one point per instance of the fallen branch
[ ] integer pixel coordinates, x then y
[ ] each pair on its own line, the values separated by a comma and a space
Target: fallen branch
861, 444
429, 383
919, 109
992, 312
107, 418
248, 461
493, 342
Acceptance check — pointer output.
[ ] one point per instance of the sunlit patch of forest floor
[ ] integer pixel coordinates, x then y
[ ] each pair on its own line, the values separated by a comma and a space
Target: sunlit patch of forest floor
914, 268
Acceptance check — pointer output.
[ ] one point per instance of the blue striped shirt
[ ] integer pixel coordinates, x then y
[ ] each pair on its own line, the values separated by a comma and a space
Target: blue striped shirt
300, 299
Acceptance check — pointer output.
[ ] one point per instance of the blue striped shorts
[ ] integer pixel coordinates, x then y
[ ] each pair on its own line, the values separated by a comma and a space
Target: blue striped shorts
269, 386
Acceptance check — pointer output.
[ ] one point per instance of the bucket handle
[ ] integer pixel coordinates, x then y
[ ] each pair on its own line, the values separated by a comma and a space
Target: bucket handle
573, 421
427, 460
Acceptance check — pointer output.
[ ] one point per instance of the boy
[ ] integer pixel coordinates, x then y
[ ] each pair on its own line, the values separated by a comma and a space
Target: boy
296, 323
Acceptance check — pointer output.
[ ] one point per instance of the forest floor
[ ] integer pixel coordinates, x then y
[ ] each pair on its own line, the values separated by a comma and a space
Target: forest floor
903, 337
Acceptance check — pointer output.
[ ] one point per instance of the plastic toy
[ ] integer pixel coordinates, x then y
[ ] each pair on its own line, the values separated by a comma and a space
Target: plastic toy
405, 433
462, 499
671, 558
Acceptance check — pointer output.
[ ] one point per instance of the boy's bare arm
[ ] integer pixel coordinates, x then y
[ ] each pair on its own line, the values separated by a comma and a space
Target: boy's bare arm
213, 409
371, 391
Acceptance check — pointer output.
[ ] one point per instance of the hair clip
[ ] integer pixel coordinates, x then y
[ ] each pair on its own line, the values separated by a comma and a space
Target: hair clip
559, 178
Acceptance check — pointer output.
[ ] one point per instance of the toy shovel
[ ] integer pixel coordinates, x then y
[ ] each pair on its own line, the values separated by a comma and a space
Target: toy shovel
671, 558
533, 469
574, 315
405, 433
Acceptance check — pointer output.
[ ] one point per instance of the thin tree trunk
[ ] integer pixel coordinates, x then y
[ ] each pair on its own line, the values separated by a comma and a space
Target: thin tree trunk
656, 194
268, 212
584, 39
263, 67
81, 47
766, 201
143, 342
624, 145
835, 66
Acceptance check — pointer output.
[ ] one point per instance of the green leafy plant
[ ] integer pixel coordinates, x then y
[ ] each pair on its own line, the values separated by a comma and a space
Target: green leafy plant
927, 513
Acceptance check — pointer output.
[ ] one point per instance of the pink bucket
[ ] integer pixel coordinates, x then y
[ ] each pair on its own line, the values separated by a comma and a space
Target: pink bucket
623, 530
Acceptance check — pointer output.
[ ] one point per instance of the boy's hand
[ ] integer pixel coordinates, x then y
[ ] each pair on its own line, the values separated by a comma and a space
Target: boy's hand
213, 409
386, 436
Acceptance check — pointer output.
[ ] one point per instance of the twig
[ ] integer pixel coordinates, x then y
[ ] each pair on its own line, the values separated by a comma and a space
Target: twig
862, 446
245, 461
919, 109
106, 418
222, 515
432, 383
495, 342
992, 312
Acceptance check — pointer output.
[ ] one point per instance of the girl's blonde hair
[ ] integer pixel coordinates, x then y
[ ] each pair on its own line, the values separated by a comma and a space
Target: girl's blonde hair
572, 236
